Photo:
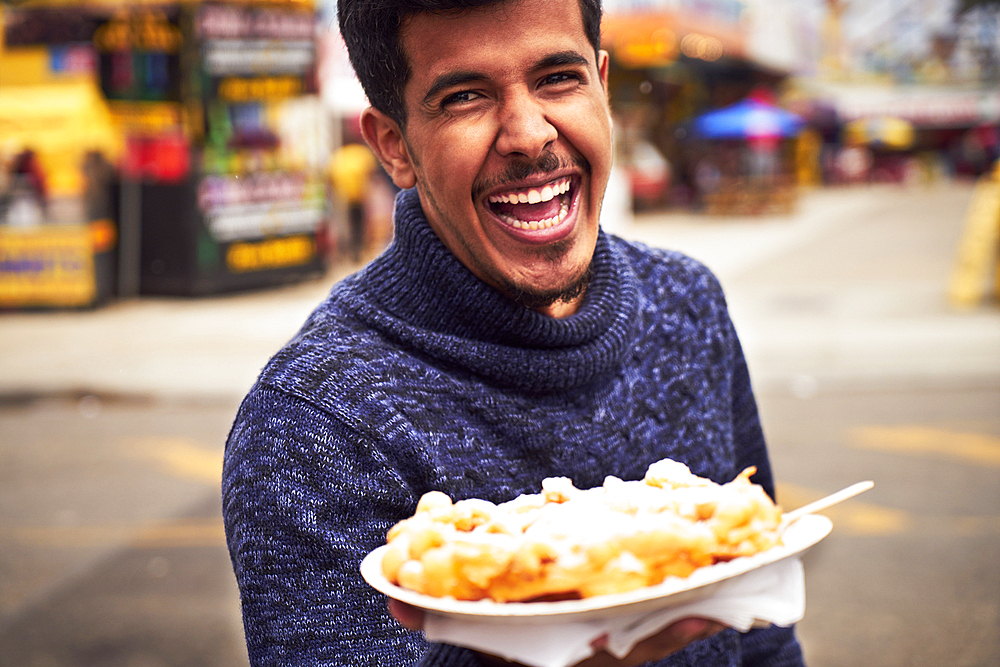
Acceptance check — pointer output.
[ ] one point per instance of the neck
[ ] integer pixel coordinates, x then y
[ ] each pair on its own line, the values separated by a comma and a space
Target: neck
560, 308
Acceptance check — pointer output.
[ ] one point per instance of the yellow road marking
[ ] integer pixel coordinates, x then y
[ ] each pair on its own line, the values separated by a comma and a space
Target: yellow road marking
977, 448
180, 457
852, 516
975, 525
186, 533
190, 533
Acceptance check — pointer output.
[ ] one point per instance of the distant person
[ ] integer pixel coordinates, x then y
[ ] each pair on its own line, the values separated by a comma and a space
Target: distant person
28, 167
707, 176
500, 339
854, 163
763, 158
351, 170
25, 202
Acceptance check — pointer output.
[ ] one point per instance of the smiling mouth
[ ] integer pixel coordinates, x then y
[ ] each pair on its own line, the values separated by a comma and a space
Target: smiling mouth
534, 208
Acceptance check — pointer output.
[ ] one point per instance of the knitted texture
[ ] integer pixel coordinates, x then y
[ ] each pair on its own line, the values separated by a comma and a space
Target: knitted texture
414, 375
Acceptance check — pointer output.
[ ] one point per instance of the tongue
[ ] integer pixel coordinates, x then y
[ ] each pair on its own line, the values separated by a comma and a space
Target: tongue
530, 212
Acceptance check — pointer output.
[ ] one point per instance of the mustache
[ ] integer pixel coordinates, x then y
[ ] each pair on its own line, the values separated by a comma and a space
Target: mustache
519, 170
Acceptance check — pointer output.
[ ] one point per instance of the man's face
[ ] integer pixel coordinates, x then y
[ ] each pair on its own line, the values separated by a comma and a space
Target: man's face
508, 139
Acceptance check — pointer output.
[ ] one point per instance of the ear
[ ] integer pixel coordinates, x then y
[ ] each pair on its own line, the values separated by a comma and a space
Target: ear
386, 140
602, 67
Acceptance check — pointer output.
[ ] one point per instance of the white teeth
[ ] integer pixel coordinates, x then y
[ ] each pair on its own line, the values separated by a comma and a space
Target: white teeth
533, 195
539, 224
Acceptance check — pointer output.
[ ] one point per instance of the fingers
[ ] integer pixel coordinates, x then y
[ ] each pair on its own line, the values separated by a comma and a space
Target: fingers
690, 630
408, 616
671, 639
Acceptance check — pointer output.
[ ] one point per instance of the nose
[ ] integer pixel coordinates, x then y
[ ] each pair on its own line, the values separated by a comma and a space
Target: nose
524, 127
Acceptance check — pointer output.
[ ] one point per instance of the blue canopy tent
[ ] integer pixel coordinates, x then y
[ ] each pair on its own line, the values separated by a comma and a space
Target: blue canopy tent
757, 177
748, 119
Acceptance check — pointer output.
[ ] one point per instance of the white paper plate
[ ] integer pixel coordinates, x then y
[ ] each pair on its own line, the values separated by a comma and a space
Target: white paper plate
796, 540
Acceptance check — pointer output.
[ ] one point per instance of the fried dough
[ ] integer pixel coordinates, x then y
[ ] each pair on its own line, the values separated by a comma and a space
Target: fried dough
568, 543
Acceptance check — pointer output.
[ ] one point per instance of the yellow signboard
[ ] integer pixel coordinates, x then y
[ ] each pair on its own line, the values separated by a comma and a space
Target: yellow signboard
60, 123
270, 254
47, 266
146, 30
240, 89
145, 118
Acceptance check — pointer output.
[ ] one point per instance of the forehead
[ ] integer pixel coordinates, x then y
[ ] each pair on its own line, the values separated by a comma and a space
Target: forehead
507, 36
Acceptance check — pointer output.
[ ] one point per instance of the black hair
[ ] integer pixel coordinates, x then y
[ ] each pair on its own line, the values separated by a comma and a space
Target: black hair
372, 32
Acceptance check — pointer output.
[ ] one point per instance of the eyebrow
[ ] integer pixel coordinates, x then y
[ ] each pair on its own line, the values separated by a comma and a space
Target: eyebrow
460, 77
562, 58
451, 79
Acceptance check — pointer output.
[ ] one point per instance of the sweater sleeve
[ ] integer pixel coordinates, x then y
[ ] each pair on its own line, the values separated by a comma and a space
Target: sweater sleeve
772, 646
304, 499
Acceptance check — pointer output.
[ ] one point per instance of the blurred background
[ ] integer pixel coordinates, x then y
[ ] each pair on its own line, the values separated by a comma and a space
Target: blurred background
182, 182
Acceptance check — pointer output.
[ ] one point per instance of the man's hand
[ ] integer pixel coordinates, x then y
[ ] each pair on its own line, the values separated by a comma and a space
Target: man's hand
671, 639
410, 617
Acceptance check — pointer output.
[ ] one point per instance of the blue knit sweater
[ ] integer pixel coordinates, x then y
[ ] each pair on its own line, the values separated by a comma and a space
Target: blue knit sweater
414, 375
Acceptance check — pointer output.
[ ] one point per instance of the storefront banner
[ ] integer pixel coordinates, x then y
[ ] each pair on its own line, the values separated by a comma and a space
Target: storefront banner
258, 56
258, 205
924, 106
46, 266
227, 21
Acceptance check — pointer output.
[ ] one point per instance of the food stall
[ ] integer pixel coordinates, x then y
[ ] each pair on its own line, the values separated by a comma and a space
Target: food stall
750, 157
667, 66
223, 185
220, 180
57, 232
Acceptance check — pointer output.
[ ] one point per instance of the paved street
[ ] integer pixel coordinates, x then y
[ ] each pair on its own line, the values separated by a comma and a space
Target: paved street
112, 423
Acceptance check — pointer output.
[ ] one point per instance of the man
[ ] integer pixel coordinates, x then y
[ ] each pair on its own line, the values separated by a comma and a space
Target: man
502, 338
351, 169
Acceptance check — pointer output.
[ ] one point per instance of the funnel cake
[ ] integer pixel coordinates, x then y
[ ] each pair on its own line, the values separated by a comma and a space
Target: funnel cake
569, 543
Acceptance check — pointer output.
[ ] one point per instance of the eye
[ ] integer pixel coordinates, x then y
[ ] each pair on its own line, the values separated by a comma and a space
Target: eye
559, 78
460, 97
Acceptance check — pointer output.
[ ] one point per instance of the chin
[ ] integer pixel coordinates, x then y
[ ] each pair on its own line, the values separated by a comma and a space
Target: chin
533, 295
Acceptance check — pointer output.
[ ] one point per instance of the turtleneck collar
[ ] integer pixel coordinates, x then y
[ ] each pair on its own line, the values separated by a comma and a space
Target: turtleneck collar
418, 292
